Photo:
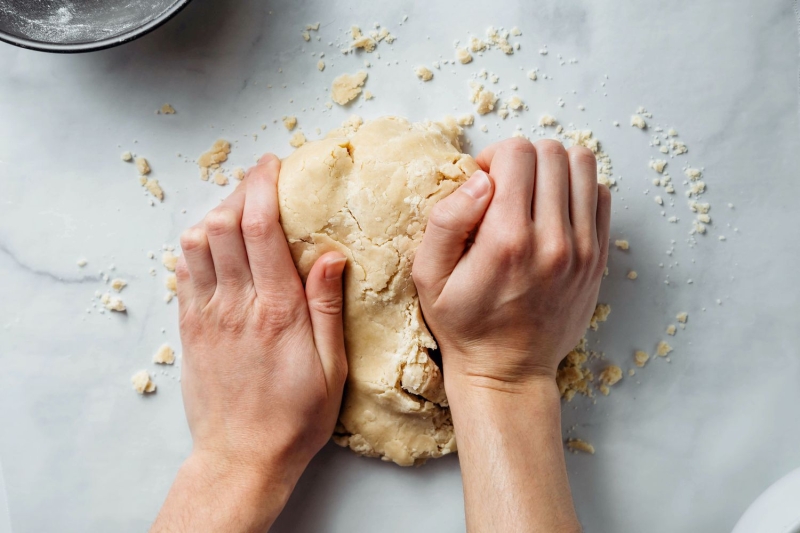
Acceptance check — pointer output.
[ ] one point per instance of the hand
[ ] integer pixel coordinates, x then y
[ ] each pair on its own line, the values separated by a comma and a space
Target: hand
512, 304
263, 359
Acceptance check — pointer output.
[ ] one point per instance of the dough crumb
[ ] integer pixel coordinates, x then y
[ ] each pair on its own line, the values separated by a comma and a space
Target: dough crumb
212, 159
658, 165
632, 274
532, 75
515, 103
601, 312
142, 383
638, 122
367, 96
578, 445
693, 173
484, 99
682, 317
610, 375
154, 188
118, 284
423, 73
171, 282
663, 349
220, 179
127, 157
306, 35
547, 120
167, 109
320, 65
112, 303
238, 173
82, 262
622, 244
165, 355
671, 329
289, 122
142, 166
466, 120
169, 260
297, 139
347, 87
463, 56
640, 358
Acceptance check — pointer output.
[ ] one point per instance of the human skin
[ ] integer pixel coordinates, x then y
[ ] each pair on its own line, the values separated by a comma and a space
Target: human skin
508, 275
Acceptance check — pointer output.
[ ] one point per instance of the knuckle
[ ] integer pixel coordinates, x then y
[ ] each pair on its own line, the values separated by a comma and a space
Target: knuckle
550, 148
221, 221
193, 239
181, 270
581, 156
277, 317
327, 305
231, 320
518, 144
586, 255
556, 255
255, 225
514, 247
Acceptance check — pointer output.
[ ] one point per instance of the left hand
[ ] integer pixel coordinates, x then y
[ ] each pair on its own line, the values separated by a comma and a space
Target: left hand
263, 358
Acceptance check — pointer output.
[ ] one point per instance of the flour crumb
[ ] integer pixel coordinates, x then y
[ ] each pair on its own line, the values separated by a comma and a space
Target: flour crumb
638, 122
306, 35
165, 355
154, 188
112, 303
142, 383
127, 157
659, 200
532, 75
578, 445
423, 73
118, 284
238, 173
515, 102
663, 349
169, 260
610, 375
466, 120
142, 166
82, 262
220, 179
297, 139
547, 120
682, 317
658, 165
320, 65
693, 173
484, 99
463, 56
167, 109
171, 282
347, 87
640, 358
212, 159
367, 96
622, 244
289, 122
671, 329
632, 274
601, 312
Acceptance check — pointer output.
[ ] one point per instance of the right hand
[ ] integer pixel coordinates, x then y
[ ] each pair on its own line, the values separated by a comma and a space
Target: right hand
508, 307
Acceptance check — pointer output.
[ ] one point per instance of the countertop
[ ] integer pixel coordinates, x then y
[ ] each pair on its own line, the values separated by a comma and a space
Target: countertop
684, 445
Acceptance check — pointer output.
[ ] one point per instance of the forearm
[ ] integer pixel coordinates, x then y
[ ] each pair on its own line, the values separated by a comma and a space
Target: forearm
208, 495
511, 456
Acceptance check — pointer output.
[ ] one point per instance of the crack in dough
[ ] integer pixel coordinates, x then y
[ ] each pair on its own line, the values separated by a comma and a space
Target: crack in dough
366, 190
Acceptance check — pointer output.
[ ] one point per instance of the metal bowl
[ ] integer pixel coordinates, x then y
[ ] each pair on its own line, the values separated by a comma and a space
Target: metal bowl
81, 25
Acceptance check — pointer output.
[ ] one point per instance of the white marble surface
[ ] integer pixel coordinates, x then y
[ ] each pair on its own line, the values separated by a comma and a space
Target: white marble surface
682, 446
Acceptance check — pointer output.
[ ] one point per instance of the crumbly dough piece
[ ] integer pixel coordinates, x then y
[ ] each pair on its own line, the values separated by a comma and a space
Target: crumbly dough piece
169, 260
423, 73
289, 122
127, 157
212, 159
165, 355
547, 120
640, 358
153, 188
601, 312
142, 166
663, 349
297, 139
118, 284
347, 87
320, 65
484, 98
142, 383
463, 56
112, 303
638, 122
171, 282
466, 120
622, 244
682, 317
167, 109
220, 179
579, 445
610, 375
366, 191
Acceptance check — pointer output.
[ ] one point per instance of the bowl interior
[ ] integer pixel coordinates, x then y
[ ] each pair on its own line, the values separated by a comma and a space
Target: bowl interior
73, 22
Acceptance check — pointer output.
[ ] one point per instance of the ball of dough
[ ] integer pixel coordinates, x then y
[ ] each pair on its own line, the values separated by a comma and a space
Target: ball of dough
366, 190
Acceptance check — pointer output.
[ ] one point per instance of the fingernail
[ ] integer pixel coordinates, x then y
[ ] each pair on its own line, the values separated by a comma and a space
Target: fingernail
478, 185
334, 267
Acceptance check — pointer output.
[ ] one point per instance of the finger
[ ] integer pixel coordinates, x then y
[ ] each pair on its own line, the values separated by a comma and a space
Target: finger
583, 195
223, 227
184, 282
603, 220
271, 262
325, 302
200, 265
513, 169
484, 159
551, 202
450, 224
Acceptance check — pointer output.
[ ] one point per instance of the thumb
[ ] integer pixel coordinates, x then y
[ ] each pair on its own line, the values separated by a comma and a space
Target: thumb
325, 302
450, 224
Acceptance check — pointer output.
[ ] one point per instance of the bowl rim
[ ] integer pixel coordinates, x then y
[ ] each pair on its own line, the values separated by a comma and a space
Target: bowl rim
76, 48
